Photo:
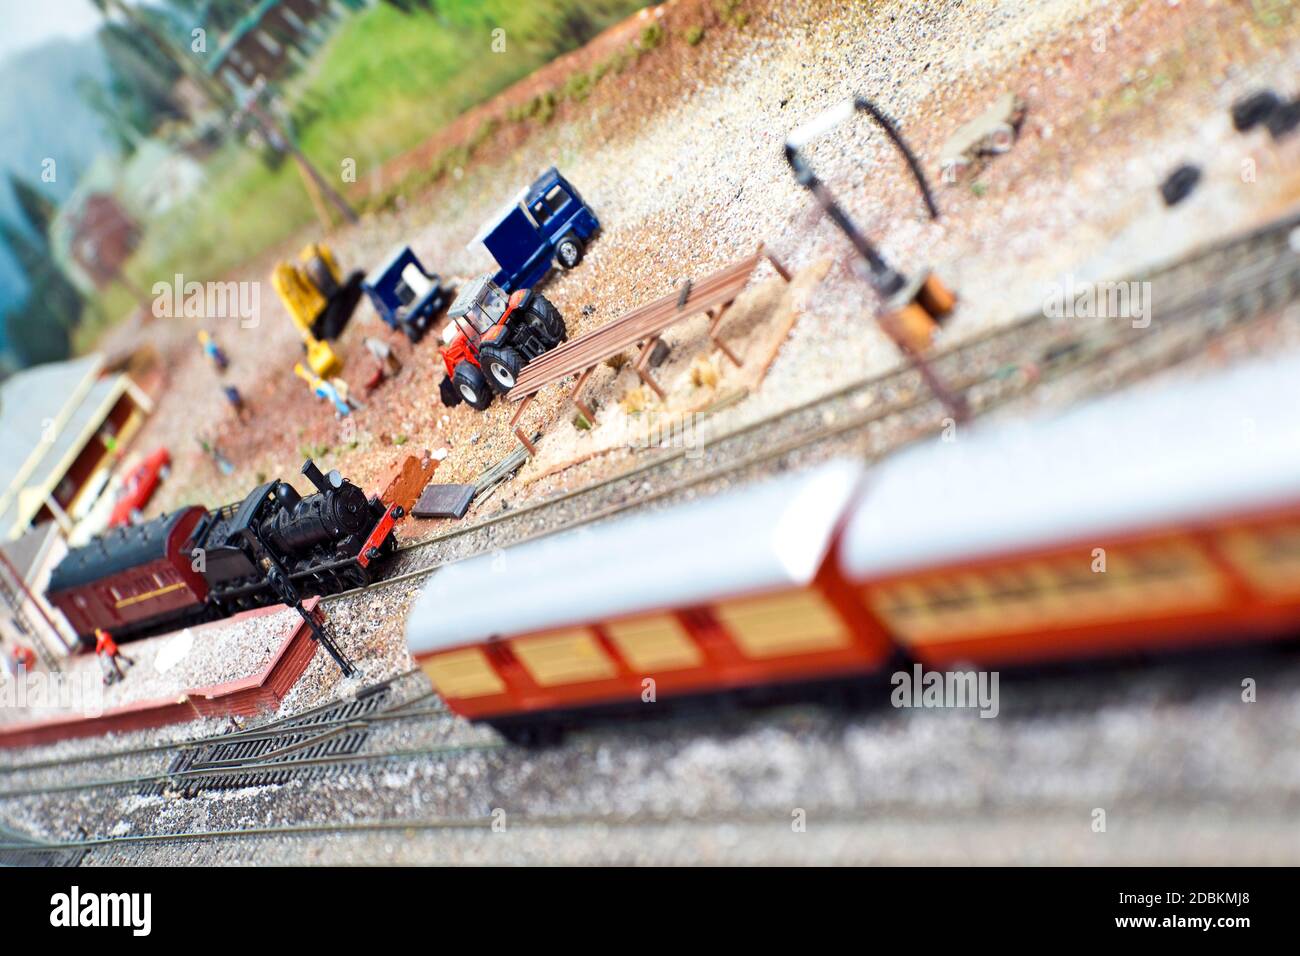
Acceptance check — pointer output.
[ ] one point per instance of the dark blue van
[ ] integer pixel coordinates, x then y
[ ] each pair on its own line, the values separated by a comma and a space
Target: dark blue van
547, 221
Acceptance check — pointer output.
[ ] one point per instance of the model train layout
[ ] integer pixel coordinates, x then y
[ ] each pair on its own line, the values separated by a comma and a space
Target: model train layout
854, 434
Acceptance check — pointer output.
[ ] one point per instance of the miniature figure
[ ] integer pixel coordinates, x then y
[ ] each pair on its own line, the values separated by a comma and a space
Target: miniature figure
384, 355
224, 465
111, 658
213, 351
236, 401
328, 390
24, 659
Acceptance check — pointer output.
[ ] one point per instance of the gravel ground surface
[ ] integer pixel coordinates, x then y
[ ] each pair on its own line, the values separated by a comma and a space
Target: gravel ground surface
1159, 749
169, 665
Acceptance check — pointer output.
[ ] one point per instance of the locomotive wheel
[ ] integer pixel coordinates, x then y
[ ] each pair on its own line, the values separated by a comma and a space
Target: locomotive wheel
549, 316
502, 366
448, 392
569, 252
473, 387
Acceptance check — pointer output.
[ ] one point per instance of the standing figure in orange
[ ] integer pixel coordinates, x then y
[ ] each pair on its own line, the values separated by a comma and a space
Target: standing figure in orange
24, 659
111, 660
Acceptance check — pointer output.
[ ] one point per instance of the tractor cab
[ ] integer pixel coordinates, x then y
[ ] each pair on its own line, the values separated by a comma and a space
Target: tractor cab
479, 308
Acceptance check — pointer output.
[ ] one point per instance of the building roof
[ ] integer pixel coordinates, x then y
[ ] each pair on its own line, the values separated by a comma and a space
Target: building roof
774, 534
27, 553
47, 414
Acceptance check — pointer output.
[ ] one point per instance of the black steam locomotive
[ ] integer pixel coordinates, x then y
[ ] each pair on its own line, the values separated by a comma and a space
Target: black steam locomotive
195, 565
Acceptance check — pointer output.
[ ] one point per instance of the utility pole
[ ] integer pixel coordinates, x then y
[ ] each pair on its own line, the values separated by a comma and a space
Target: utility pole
278, 138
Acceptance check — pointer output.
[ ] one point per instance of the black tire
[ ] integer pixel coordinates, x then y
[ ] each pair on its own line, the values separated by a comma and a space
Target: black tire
1250, 111
1282, 122
472, 385
448, 392
549, 316
501, 365
568, 251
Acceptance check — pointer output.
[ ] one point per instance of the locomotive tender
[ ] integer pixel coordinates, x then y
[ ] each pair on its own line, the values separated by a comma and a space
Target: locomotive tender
195, 565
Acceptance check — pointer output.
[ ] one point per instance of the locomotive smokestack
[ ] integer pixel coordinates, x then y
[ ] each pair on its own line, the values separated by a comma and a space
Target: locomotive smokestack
314, 476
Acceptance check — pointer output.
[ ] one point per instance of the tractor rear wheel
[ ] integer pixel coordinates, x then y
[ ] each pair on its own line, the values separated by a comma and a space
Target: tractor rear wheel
502, 366
569, 251
473, 387
550, 318
448, 392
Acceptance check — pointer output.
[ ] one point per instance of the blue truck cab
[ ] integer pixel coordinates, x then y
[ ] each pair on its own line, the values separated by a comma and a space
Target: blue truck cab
405, 294
546, 222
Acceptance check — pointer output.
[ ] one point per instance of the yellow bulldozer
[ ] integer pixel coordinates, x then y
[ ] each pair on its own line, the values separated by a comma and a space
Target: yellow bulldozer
320, 302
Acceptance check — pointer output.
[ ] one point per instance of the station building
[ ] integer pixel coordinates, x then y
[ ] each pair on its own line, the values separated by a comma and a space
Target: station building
61, 425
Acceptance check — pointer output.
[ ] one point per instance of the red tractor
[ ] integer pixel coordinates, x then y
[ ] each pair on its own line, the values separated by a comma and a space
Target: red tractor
494, 337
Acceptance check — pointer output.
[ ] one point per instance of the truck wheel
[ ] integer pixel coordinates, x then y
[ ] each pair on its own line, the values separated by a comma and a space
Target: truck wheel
473, 387
448, 392
569, 252
502, 366
552, 321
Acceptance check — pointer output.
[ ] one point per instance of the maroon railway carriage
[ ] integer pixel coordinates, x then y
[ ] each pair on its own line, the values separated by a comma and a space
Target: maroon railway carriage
131, 574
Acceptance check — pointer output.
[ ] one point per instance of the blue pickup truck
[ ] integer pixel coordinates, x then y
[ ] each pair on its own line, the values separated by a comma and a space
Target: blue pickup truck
546, 222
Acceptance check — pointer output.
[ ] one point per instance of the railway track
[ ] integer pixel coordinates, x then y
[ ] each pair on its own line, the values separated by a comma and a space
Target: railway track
1211, 296
307, 745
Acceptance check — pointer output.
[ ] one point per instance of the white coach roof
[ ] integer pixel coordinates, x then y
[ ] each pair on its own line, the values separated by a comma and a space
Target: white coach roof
1149, 455
768, 535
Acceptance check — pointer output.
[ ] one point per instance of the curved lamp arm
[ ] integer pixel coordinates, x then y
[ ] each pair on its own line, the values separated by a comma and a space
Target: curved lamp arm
886, 279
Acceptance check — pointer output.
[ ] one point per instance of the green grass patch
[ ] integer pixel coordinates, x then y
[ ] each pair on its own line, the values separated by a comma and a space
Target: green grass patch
385, 82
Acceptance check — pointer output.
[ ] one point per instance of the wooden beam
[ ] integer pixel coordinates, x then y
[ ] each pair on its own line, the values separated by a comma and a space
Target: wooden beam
519, 432
641, 361
519, 412
582, 406
526, 442
717, 339
781, 270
